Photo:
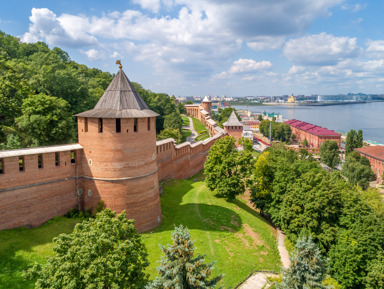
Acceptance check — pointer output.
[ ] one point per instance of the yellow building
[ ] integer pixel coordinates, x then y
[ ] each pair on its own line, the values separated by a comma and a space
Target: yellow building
291, 99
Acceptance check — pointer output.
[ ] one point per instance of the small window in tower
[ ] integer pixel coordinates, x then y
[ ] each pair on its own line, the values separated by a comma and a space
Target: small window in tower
100, 125
40, 161
149, 123
21, 164
73, 157
118, 125
57, 159
135, 125
1, 166
85, 124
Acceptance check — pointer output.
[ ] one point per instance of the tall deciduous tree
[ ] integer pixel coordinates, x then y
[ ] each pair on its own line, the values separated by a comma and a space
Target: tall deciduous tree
246, 143
105, 252
307, 267
354, 140
358, 170
180, 269
227, 169
329, 153
46, 120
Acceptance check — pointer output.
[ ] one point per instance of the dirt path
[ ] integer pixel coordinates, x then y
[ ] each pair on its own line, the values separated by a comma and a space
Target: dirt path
259, 280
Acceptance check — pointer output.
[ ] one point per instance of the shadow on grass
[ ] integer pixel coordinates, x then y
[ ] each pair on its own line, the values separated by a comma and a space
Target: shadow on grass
194, 215
18, 250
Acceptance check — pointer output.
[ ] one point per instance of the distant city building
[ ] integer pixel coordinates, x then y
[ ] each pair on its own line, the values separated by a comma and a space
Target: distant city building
314, 134
247, 133
375, 155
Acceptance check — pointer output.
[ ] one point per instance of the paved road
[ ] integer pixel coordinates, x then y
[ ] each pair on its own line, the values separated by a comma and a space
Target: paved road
190, 127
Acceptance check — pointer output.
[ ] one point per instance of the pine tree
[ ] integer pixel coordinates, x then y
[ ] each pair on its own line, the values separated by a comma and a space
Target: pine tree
307, 267
179, 269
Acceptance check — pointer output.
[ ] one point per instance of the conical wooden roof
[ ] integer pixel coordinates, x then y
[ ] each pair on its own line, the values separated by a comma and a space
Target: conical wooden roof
120, 100
232, 120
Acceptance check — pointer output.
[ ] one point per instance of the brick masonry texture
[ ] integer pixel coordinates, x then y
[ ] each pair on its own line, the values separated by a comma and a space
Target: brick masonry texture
122, 169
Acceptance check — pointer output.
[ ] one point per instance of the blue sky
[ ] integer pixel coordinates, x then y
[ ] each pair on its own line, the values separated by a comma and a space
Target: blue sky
216, 47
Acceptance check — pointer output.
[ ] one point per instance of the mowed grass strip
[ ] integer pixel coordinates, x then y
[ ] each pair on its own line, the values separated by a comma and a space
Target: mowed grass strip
20, 248
198, 125
230, 233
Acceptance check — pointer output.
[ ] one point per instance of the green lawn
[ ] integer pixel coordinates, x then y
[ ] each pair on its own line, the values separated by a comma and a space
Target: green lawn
198, 125
200, 129
20, 248
186, 133
255, 154
185, 120
230, 233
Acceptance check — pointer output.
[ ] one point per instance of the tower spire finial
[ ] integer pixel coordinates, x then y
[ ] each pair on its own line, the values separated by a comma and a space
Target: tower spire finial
119, 62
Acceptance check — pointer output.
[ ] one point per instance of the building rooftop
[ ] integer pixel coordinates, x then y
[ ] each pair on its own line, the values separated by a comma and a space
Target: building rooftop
376, 152
206, 99
120, 100
311, 128
232, 120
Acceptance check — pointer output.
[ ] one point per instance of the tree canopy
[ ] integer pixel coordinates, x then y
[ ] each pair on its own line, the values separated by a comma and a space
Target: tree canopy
105, 252
280, 131
358, 170
329, 153
227, 169
354, 140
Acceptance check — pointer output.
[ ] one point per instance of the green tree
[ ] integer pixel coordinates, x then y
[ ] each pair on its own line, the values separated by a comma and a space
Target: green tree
305, 143
329, 153
227, 169
246, 143
259, 117
173, 121
358, 170
375, 276
359, 142
105, 252
307, 268
180, 269
354, 140
170, 133
181, 108
46, 120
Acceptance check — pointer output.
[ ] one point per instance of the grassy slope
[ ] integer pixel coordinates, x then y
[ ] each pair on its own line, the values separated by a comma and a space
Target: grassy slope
200, 129
20, 248
227, 232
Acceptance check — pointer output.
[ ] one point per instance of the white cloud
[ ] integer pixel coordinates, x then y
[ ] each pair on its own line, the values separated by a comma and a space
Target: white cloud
321, 49
296, 69
151, 5
354, 7
375, 46
93, 54
266, 43
47, 27
249, 65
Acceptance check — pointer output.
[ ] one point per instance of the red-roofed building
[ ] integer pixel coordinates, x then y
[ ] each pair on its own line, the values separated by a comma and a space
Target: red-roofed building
375, 155
314, 134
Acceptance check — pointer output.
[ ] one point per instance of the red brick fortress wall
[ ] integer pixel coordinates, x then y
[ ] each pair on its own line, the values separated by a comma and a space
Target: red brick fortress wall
35, 195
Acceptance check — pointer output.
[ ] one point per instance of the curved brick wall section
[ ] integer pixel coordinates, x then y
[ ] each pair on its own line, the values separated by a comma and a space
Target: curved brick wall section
121, 169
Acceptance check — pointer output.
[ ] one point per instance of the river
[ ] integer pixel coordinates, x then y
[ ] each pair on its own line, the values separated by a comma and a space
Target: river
368, 117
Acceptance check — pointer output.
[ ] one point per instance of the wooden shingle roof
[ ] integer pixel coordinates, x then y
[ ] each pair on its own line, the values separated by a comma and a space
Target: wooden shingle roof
232, 120
120, 100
